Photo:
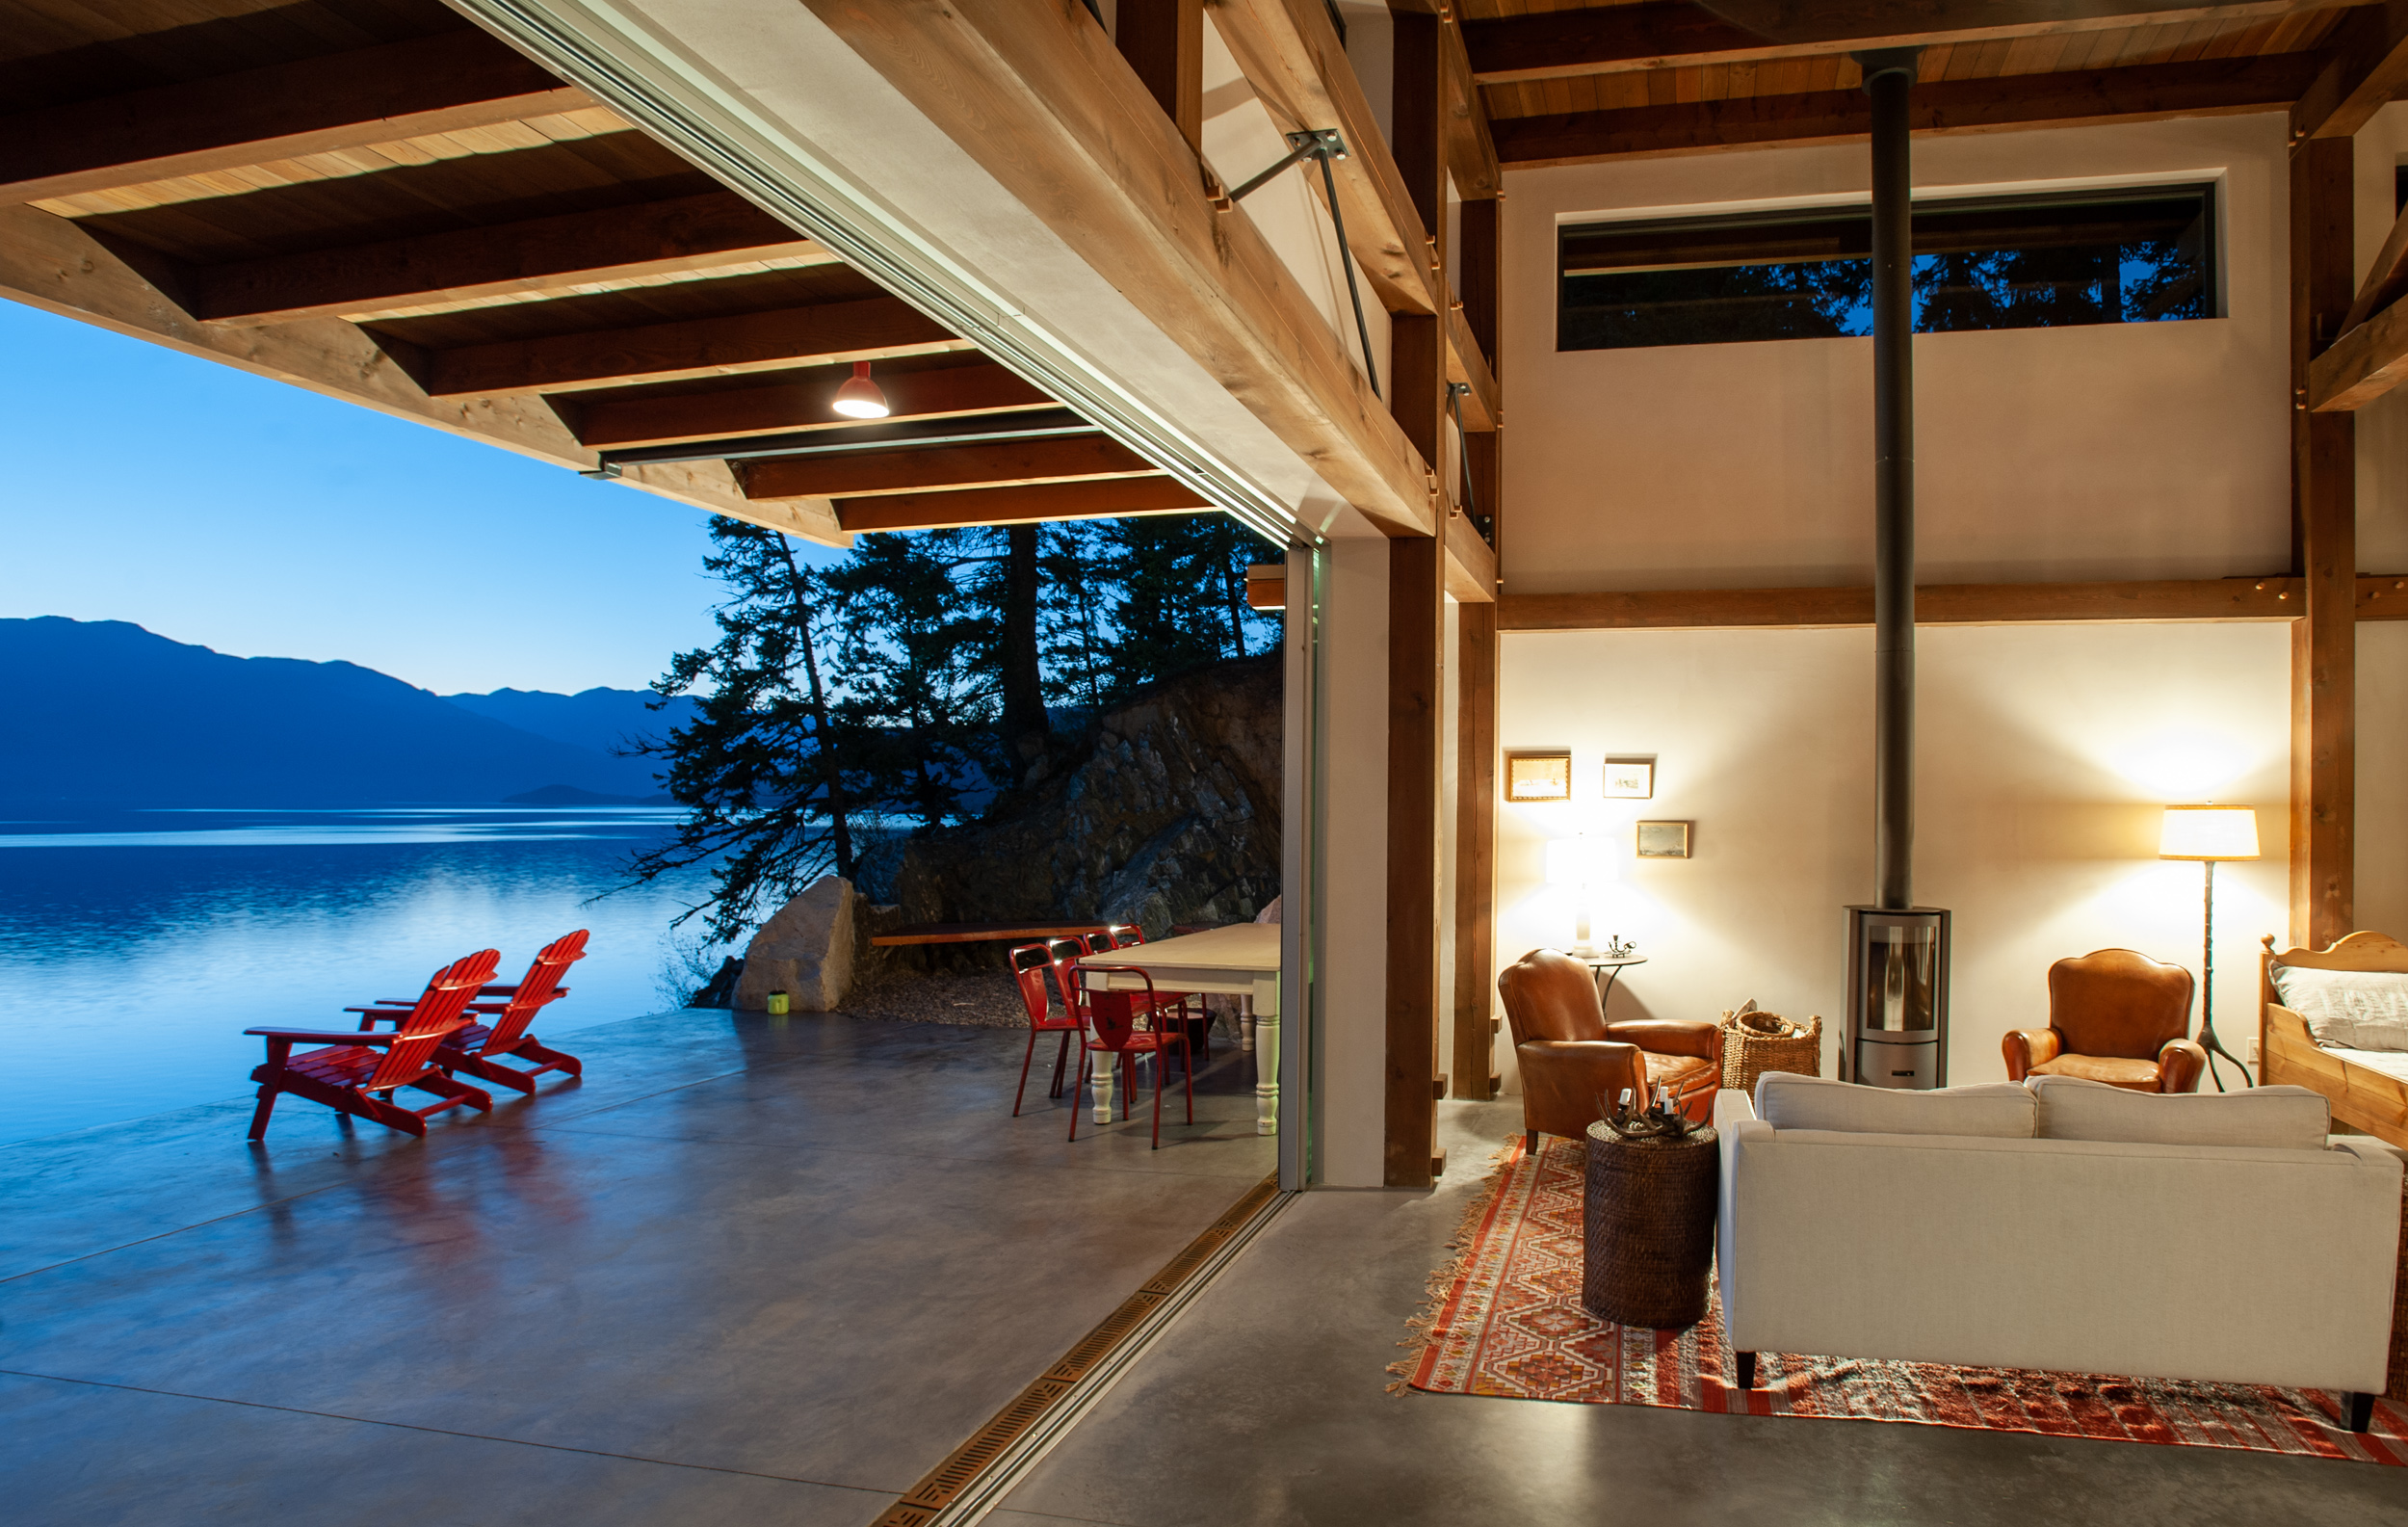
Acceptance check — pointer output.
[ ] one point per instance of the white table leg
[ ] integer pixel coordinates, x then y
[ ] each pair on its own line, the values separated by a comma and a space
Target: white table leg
1246, 1025
1266, 1057
1105, 1061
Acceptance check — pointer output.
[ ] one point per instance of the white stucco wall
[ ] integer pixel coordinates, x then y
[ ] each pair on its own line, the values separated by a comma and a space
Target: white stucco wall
2043, 756
2119, 451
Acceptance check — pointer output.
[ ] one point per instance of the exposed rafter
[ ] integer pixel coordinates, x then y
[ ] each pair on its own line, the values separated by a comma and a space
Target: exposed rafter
1627, 38
2366, 64
2200, 88
1020, 506
792, 401
535, 257
438, 84
904, 470
872, 328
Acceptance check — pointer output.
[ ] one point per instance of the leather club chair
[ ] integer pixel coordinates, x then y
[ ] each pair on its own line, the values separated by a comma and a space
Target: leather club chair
2115, 1017
1575, 1064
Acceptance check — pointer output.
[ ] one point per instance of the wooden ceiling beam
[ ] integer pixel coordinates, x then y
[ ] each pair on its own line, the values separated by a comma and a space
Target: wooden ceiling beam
53, 264
1111, 498
538, 257
2142, 93
1037, 98
1631, 39
2387, 279
1471, 151
1292, 57
903, 469
873, 328
1935, 604
2363, 66
800, 403
440, 83
2362, 365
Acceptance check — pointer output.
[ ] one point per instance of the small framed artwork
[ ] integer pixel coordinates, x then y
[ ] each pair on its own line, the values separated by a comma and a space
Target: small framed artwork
1664, 841
1630, 779
1539, 774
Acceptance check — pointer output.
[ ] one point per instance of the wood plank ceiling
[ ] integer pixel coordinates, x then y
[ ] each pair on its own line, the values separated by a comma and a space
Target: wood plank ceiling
376, 186
1567, 82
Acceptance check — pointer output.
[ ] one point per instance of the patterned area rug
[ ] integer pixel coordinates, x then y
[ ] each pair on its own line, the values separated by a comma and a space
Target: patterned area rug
1505, 1319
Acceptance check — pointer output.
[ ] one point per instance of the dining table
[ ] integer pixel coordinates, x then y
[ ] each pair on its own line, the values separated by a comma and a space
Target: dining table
1242, 960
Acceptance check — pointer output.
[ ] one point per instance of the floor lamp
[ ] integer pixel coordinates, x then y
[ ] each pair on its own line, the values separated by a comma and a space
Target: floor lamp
2211, 834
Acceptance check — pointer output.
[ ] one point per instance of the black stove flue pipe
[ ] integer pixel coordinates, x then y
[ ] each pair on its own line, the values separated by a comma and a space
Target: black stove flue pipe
1889, 75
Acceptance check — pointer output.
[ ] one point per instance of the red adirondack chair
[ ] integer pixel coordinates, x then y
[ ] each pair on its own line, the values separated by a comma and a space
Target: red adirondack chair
479, 1048
359, 1073
1030, 973
1112, 1025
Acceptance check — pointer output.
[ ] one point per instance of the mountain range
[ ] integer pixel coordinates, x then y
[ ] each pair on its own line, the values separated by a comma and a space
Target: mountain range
106, 712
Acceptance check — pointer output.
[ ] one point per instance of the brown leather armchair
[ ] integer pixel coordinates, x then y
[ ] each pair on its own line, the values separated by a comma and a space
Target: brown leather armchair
2115, 1017
1575, 1064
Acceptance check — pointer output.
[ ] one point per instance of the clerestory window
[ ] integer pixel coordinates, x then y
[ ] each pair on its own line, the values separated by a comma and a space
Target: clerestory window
2119, 256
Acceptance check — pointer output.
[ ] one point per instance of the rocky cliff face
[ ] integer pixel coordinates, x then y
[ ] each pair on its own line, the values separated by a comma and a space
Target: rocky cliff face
1166, 810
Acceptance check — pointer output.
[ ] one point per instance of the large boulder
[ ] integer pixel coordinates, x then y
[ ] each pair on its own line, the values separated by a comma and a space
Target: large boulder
805, 951
1166, 810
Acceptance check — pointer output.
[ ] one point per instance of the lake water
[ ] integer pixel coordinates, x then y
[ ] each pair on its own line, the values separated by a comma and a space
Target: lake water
136, 948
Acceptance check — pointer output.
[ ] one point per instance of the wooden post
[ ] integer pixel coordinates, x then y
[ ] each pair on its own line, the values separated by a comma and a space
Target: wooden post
1475, 276
1417, 594
1164, 41
1417, 608
1474, 1062
2324, 521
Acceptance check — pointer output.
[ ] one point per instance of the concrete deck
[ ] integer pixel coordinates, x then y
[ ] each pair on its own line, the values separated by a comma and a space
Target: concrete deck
754, 1271
747, 1269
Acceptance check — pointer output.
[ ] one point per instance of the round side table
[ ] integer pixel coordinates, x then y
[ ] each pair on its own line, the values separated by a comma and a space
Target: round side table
1606, 969
1649, 1218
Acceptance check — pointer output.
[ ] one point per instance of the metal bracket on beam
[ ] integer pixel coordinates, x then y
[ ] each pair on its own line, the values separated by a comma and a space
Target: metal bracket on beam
1323, 143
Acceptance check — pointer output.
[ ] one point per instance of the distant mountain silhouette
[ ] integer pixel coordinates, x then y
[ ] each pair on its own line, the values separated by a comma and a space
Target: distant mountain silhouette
104, 712
603, 719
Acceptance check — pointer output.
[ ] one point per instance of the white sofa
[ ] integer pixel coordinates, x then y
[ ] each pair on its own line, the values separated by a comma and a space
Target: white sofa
2063, 1227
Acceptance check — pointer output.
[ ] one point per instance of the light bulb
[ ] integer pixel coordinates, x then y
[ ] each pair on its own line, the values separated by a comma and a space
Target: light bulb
860, 398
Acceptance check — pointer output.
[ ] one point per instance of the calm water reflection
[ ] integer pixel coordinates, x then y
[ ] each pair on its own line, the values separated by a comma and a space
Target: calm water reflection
136, 948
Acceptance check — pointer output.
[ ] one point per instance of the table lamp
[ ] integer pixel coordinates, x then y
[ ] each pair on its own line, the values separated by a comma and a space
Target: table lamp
2211, 834
1582, 863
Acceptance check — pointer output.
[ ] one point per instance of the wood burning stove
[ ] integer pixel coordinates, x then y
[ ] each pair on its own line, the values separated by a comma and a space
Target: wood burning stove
1897, 997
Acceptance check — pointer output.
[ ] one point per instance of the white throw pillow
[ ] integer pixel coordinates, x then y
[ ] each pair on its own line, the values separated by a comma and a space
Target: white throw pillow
1997, 1110
2348, 1010
2273, 1118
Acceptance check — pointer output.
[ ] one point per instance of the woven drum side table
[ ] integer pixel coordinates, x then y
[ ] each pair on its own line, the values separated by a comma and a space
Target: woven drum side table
1650, 1227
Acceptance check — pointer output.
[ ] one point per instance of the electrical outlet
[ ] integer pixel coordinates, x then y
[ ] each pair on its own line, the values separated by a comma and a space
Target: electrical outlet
2252, 1053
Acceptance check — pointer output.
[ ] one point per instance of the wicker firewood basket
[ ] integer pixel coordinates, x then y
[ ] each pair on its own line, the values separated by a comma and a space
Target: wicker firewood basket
1755, 1042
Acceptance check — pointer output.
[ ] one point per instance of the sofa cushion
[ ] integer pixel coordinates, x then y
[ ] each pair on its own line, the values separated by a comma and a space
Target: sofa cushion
1997, 1110
2353, 1010
2274, 1118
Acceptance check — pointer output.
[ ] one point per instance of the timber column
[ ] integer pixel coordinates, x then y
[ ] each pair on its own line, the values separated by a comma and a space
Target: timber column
2324, 555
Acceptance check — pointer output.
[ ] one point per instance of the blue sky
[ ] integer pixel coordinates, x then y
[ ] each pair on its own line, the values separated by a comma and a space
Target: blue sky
256, 518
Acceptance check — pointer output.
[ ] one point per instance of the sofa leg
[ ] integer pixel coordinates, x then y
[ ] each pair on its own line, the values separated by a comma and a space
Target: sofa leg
1746, 1369
2361, 1411
1530, 1143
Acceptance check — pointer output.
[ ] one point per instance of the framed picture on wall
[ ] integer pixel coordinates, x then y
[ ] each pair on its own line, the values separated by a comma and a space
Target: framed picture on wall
1664, 841
1630, 779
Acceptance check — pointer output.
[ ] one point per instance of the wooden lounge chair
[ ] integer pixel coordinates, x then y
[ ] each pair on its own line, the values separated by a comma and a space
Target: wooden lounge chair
479, 1048
359, 1072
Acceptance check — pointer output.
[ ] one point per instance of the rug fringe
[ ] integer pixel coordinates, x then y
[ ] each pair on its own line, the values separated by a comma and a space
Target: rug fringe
1421, 1325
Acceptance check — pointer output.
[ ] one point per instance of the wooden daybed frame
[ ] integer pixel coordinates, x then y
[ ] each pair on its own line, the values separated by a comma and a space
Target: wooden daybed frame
2362, 1098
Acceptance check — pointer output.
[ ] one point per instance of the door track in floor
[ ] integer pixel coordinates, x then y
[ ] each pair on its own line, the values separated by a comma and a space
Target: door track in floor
976, 1475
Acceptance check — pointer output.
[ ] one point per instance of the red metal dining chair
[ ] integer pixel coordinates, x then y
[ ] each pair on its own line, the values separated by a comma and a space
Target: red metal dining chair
349, 1073
1111, 1027
1196, 1025
479, 1048
1030, 976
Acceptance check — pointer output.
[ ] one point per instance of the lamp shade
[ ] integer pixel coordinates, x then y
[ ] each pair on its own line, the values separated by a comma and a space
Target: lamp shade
1578, 861
860, 398
2209, 832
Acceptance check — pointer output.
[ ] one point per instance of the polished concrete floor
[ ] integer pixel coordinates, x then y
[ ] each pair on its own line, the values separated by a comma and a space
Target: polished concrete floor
756, 1270
749, 1269
1266, 1404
